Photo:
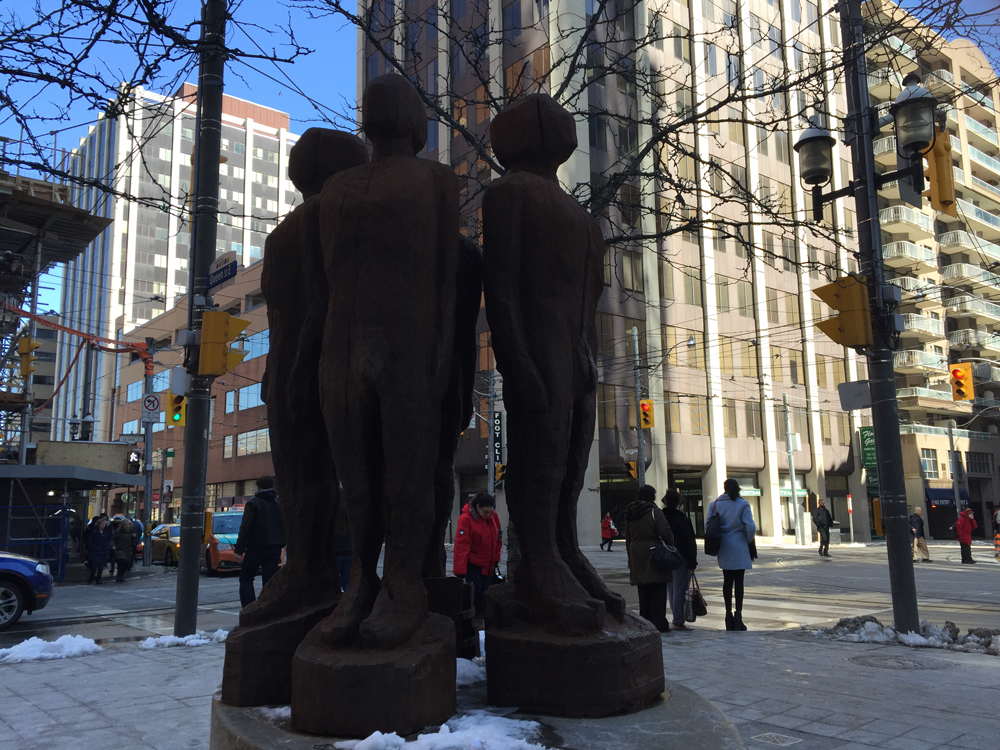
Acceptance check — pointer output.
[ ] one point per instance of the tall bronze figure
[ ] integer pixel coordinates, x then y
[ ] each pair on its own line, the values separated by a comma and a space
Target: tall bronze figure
542, 272
259, 652
391, 252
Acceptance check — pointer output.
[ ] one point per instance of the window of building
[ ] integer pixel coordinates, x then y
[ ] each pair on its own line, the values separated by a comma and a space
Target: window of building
722, 293
796, 367
133, 391
682, 50
257, 344
230, 402
255, 441
843, 429
606, 414
748, 351
755, 420
979, 463
726, 355
821, 371
609, 270
250, 396
671, 412
632, 271
598, 130
792, 309
666, 279
839, 372
729, 418
772, 306
955, 457
744, 293
131, 427
699, 415
692, 285
252, 300
605, 335
928, 463
512, 22
824, 427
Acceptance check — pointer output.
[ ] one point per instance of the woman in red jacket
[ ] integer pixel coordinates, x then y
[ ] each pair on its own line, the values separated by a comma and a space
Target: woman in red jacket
477, 546
608, 531
963, 528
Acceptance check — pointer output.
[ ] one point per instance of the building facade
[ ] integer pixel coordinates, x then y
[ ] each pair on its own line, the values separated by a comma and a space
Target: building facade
139, 267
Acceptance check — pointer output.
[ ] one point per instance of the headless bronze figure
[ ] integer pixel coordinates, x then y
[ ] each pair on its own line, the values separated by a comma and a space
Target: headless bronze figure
390, 245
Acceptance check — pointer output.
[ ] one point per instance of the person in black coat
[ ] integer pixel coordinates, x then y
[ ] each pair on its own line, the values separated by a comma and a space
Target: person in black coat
687, 546
99, 549
823, 520
262, 535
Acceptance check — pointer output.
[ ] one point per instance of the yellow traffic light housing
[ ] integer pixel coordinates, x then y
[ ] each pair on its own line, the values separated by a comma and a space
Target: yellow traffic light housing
630, 467
961, 382
849, 296
646, 418
218, 330
25, 347
940, 176
498, 472
177, 411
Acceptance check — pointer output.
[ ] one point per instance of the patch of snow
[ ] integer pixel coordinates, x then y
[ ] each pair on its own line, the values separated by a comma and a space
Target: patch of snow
478, 730
200, 638
482, 642
468, 672
867, 629
35, 649
274, 715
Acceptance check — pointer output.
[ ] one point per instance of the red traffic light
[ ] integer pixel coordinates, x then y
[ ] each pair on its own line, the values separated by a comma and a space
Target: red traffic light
645, 405
957, 372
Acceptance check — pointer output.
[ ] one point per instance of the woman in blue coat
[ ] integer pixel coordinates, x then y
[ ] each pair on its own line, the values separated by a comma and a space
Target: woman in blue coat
738, 531
99, 549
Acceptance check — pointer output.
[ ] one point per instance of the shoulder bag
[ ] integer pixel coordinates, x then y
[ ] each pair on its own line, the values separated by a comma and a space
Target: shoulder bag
713, 533
694, 603
664, 556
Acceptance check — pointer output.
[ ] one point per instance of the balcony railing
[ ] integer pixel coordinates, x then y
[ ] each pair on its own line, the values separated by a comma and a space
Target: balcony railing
979, 129
923, 393
924, 324
984, 372
958, 238
962, 271
985, 185
885, 75
885, 145
909, 250
985, 159
926, 429
974, 212
970, 338
939, 76
894, 214
912, 284
920, 358
969, 91
959, 175
967, 304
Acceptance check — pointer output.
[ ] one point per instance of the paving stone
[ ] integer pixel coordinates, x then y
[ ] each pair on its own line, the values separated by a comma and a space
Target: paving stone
784, 720
910, 743
931, 734
974, 742
823, 730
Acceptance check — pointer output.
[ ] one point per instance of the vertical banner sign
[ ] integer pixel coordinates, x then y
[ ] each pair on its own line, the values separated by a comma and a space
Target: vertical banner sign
496, 435
869, 459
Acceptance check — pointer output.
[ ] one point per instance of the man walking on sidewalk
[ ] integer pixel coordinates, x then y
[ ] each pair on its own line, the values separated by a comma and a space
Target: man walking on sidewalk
823, 520
919, 541
963, 528
262, 535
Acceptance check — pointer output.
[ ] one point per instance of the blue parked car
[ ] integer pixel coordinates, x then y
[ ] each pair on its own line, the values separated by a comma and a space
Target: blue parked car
25, 585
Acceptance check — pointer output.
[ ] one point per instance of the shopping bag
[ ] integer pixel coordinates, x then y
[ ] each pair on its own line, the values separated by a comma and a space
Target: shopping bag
699, 608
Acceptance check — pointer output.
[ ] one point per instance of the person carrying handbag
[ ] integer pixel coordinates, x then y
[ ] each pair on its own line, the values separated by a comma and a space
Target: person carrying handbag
736, 542
645, 528
608, 531
478, 544
684, 540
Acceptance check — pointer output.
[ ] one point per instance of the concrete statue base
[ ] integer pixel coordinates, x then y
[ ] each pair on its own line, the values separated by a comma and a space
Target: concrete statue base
258, 666
353, 691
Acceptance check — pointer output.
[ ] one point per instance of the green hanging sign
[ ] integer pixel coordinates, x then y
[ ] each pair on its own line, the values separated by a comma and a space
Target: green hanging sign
869, 459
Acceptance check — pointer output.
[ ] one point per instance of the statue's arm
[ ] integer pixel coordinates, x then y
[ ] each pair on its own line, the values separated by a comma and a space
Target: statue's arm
502, 211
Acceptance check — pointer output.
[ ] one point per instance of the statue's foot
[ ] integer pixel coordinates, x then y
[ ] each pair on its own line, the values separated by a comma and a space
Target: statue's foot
548, 586
399, 612
595, 585
342, 625
289, 591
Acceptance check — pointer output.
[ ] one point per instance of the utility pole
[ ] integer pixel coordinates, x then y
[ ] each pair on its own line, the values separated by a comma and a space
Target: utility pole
640, 457
147, 462
491, 466
955, 464
26, 415
885, 410
800, 534
212, 67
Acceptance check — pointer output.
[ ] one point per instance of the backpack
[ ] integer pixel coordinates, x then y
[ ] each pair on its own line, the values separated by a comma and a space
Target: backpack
953, 531
713, 533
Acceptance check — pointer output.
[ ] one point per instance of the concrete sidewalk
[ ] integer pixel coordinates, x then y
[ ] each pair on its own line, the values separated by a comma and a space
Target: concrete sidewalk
780, 688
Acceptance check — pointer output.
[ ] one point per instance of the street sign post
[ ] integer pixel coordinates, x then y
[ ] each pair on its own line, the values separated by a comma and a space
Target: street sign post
223, 271
150, 408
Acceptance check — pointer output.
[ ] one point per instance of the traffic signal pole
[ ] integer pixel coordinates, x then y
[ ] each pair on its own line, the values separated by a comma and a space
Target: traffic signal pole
640, 458
205, 219
147, 496
885, 411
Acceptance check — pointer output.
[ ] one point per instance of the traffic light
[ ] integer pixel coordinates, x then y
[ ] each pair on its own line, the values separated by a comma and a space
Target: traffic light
133, 462
25, 347
216, 355
961, 382
940, 176
646, 418
849, 296
177, 411
630, 466
498, 471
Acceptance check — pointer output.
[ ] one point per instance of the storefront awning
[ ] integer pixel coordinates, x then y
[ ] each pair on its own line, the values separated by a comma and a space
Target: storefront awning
945, 496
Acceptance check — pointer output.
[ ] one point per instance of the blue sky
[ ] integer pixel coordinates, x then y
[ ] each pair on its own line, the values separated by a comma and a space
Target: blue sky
326, 75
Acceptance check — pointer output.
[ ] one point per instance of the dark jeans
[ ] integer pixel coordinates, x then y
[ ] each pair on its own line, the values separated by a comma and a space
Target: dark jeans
608, 542
266, 560
966, 552
824, 541
96, 570
480, 581
344, 570
124, 566
653, 604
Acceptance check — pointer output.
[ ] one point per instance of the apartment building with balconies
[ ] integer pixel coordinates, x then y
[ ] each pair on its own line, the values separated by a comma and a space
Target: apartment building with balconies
946, 269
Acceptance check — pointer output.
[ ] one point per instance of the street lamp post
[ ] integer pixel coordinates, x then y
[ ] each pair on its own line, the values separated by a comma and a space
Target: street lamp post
74, 427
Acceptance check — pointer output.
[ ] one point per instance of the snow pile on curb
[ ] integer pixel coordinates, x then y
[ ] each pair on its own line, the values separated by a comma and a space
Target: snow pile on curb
468, 672
868, 629
35, 649
274, 715
198, 639
479, 730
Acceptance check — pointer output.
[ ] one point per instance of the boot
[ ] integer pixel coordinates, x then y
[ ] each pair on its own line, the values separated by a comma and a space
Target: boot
738, 622
730, 621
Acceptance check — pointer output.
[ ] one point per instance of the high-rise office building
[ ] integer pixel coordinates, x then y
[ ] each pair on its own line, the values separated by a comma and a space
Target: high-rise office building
724, 310
139, 266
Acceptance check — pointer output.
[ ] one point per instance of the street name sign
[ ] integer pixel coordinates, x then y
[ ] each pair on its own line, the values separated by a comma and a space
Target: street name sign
223, 271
